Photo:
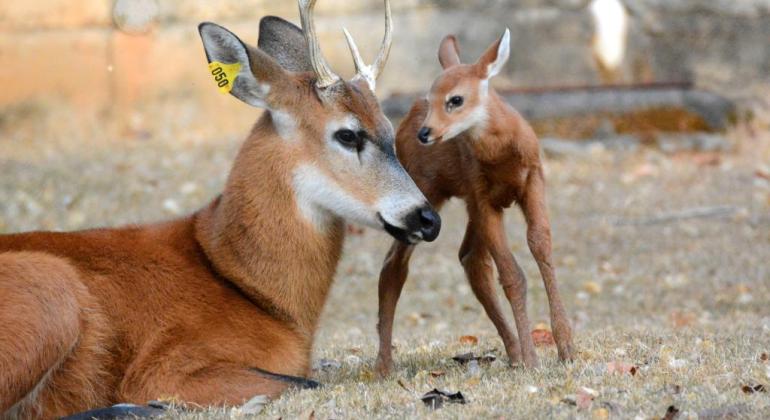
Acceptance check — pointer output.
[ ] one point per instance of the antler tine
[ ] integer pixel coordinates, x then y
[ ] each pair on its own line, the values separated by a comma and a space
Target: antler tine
362, 70
325, 76
366, 72
387, 40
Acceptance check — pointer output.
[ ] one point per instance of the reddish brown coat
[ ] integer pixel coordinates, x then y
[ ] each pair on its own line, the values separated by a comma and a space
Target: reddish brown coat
485, 153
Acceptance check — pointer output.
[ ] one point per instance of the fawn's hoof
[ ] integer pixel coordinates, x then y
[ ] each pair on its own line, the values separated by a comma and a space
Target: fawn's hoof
382, 368
566, 352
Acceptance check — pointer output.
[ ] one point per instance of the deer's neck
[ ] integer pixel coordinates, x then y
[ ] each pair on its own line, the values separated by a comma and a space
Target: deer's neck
257, 238
496, 138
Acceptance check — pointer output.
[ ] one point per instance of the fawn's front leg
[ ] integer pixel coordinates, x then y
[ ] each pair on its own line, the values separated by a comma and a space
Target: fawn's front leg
539, 241
392, 279
492, 231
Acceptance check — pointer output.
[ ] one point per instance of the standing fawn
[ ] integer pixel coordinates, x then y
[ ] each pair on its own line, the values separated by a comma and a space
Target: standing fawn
476, 147
220, 306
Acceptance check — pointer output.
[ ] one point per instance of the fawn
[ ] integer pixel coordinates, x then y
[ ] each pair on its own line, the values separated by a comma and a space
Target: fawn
220, 306
474, 146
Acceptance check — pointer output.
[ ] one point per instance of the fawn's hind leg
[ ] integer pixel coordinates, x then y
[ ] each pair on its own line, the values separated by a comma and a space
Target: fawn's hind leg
492, 232
392, 279
40, 327
539, 241
478, 268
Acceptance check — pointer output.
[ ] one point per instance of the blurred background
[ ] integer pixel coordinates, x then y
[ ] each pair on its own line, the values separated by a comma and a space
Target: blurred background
127, 61
87, 82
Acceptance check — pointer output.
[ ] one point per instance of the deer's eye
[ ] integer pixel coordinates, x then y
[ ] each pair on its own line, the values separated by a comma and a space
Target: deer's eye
454, 102
349, 139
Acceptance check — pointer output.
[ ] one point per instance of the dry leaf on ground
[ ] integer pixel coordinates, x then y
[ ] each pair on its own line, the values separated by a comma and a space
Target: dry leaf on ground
682, 319
468, 357
621, 368
752, 389
436, 398
671, 413
542, 337
327, 364
592, 287
583, 399
469, 340
403, 385
601, 414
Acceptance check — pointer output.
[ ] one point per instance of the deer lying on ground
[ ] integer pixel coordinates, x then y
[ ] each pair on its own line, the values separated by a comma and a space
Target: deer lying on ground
476, 147
220, 306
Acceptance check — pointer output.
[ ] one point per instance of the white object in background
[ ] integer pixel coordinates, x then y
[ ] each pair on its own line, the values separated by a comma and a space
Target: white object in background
135, 16
611, 23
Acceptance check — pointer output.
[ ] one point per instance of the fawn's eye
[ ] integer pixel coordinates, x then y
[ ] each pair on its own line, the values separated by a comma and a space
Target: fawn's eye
349, 139
454, 102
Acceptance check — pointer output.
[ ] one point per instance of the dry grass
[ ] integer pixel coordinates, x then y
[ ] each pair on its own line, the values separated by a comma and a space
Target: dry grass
685, 300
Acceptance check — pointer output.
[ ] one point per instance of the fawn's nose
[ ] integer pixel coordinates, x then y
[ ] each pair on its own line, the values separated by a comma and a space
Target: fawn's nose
430, 223
424, 135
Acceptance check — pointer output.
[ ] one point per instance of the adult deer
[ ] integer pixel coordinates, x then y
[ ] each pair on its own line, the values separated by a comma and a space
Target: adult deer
222, 305
476, 147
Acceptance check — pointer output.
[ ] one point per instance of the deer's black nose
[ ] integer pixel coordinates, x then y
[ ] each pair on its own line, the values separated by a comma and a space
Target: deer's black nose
430, 223
424, 135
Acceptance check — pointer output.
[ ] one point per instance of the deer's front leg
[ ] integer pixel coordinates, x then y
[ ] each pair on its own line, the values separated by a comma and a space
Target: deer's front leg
392, 279
539, 241
512, 278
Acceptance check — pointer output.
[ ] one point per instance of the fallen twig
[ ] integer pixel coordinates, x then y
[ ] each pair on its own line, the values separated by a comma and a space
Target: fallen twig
406, 388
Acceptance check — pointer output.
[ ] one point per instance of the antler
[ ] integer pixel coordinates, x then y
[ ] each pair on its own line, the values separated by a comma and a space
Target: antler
325, 76
370, 73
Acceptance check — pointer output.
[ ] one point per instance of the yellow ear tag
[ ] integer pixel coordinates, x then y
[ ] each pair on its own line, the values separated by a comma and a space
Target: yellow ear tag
224, 74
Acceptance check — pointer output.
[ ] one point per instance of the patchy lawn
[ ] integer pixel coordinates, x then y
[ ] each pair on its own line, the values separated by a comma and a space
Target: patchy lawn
663, 260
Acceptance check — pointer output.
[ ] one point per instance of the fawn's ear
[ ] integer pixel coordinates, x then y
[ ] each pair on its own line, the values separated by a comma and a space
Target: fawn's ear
253, 74
491, 63
449, 52
285, 42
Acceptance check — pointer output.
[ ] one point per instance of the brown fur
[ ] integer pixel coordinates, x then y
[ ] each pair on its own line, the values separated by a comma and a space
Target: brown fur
490, 166
180, 309
212, 308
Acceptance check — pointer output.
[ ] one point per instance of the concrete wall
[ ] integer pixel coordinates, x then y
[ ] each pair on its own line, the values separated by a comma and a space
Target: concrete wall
72, 53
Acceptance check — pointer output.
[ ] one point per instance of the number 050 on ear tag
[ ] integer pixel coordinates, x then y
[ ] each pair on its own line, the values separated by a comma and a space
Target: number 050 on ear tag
224, 74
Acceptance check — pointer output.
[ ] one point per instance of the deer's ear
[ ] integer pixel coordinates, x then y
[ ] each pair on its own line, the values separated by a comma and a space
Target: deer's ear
252, 73
449, 52
492, 62
285, 42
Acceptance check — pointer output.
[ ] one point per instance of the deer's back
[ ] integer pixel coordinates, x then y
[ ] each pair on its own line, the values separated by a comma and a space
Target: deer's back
145, 279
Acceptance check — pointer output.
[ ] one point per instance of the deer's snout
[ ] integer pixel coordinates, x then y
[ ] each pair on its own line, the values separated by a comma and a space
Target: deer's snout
424, 135
431, 224
426, 221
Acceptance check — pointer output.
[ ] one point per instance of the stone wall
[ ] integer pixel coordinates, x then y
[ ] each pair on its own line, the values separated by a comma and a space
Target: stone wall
72, 53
